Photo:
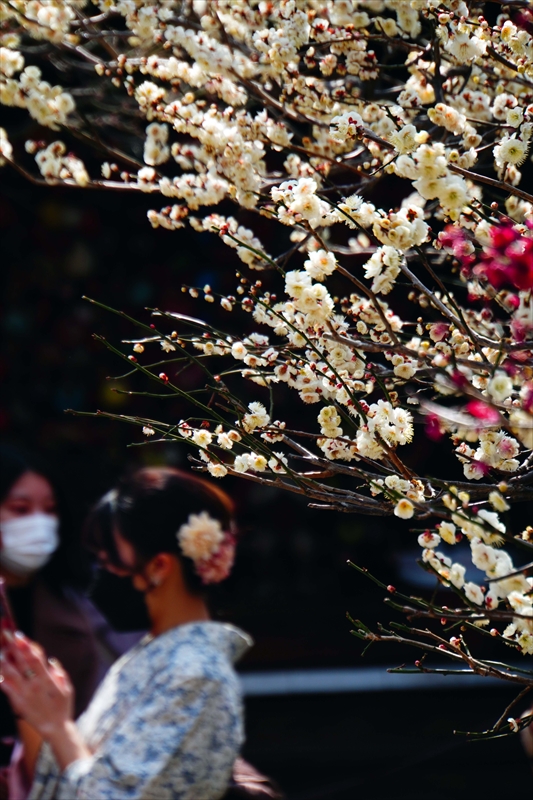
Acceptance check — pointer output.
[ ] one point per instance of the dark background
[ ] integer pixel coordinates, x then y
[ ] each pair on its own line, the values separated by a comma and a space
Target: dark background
291, 587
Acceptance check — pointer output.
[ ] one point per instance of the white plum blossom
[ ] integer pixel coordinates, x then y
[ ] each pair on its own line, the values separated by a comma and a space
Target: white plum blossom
217, 469
404, 509
453, 193
492, 519
406, 139
511, 150
498, 502
429, 540
299, 201
448, 117
403, 229
278, 462
239, 351
6, 150
315, 303
447, 532
525, 642
256, 418
242, 463
514, 117
521, 603
296, 281
383, 267
156, 150
496, 449
329, 421
457, 575
483, 556
347, 126
202, 438
394, 425
320, 264
473, 593
465, 46
500, 387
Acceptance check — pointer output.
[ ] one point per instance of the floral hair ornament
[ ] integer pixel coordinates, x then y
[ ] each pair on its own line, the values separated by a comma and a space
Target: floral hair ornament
212, 549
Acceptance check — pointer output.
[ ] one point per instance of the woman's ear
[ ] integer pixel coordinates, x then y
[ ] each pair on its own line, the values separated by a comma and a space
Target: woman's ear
160, 568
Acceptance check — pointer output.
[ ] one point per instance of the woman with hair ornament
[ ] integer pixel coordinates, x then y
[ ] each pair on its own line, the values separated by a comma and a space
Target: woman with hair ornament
167, 720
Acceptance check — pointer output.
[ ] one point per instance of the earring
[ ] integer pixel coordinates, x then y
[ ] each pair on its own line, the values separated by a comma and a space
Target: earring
156, 581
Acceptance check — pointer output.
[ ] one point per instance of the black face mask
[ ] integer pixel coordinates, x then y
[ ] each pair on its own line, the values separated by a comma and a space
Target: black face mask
121, 604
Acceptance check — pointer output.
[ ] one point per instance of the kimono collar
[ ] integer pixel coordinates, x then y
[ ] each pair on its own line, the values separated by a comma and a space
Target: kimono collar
229, 639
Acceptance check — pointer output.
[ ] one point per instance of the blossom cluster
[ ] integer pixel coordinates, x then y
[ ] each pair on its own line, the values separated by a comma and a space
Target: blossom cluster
23, 87
398, 315
505, 584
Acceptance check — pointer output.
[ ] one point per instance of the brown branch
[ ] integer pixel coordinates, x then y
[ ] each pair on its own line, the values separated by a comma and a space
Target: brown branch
479, 667
506, 187
504, 715
497, 57
334, 465
340, 505
459, 614
71, 183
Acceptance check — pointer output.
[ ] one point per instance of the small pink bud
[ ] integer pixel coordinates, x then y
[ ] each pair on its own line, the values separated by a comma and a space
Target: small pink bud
481, 410
438, 331
433, 429
459, 379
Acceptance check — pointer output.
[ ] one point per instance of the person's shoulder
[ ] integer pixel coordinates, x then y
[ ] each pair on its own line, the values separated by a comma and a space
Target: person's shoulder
216, 637
201, 649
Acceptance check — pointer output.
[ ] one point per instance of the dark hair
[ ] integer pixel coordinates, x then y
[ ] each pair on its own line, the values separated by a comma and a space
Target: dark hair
67, 567
13, 465
148, 508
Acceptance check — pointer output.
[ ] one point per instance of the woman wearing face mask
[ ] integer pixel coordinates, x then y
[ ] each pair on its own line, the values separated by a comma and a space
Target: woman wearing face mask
42, 574
167, 721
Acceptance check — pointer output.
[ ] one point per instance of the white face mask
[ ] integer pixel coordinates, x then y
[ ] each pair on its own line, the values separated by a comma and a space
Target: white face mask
28, 542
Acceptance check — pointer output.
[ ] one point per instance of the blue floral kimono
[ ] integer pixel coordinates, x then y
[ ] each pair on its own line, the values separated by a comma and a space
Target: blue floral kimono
165, 724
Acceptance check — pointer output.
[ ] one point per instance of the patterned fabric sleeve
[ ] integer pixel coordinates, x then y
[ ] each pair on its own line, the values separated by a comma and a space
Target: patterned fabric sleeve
178, 744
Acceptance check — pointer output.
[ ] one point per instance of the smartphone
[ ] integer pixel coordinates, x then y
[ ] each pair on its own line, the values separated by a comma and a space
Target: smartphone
7, 623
